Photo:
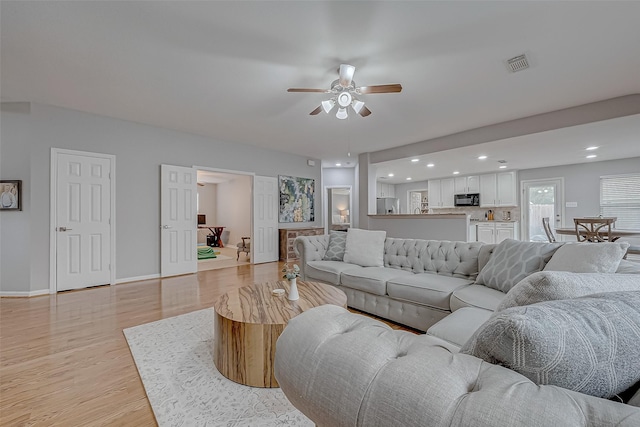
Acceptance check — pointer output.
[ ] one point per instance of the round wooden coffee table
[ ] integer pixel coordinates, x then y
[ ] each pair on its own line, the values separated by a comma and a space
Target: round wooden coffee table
249, 320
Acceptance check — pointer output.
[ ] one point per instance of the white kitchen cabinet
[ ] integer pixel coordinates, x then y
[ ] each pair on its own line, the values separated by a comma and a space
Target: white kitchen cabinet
498, 189
486, 232
505, 230
473, 233
385, 190
490, 232
441, 193
507, 189
435, 199
466, 184
488, 190
446, 192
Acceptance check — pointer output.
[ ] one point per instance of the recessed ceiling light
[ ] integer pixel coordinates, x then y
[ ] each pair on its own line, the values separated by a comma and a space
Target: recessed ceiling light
591, 156
502, 166
415, 160
338, 164
430, 165
456, 172
591, 148
482, 157
390, 174
408, 178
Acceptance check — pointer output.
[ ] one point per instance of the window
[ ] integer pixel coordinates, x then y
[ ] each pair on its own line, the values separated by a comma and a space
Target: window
620, 197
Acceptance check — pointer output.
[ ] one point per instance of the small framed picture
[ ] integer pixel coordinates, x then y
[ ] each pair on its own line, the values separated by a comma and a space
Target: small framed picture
10, 195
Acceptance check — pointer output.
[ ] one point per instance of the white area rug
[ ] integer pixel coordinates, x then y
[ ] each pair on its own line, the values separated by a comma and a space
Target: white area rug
174, 357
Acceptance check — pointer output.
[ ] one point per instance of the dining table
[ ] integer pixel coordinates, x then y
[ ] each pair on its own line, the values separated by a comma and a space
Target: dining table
616, 233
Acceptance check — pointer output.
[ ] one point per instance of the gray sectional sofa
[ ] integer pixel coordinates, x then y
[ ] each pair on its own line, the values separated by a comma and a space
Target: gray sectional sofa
421, 281
503, 346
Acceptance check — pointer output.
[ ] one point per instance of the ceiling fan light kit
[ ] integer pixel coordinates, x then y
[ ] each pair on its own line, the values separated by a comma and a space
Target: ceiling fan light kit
344, 90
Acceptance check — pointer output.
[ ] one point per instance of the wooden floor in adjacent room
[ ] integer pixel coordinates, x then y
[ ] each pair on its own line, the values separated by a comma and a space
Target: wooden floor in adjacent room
64, 358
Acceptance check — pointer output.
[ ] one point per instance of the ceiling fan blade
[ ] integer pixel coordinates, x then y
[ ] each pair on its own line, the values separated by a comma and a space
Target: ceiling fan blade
316, 111
346, 74
295, 89
393, 88
364, 111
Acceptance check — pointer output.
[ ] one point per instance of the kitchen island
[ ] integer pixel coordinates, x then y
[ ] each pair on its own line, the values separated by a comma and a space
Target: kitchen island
454, 227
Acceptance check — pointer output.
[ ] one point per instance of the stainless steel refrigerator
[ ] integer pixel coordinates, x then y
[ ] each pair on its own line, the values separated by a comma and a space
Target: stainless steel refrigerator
387, 206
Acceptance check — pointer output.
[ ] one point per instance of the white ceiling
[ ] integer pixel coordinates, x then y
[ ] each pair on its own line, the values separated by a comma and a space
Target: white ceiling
221, 69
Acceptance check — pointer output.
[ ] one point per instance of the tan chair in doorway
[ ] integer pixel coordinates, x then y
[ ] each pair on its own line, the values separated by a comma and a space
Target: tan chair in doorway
547, 229
244, 246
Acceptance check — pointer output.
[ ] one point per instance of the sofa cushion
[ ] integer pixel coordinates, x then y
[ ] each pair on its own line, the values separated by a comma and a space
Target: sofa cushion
370, 279
327, 271
557, 285
512, 261
430, 289
457, 328
588, 257
588, 344
365, 247
476, 296
337, 243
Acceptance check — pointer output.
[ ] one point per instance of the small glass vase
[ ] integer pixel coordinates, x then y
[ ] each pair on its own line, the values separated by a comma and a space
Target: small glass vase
293, 290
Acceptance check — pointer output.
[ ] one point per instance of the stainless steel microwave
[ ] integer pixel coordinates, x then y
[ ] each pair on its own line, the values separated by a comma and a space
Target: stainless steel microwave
466, 199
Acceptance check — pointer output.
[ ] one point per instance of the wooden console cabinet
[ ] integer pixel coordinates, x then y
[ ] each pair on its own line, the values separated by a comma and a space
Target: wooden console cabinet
288, 235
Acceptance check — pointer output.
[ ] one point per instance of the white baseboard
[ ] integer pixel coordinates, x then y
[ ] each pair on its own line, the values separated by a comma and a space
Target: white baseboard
21, 294
137, 278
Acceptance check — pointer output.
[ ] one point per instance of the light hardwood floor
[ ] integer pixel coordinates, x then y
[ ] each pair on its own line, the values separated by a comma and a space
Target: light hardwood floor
64, 358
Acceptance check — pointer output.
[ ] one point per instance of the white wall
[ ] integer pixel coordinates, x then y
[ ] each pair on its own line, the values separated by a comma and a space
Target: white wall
26, 140
234, 208
582, 183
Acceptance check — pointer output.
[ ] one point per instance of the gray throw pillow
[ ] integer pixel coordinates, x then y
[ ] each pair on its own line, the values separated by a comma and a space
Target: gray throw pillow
337, 243
588, 257
588, 344
555, 285
512, 261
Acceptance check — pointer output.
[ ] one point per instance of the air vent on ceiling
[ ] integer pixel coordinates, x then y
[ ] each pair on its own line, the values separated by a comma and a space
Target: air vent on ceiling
502, 161
382, 177
518, 63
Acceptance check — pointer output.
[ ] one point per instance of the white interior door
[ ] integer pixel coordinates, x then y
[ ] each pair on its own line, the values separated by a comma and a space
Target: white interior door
265, 220
178, 221
543, 198
83, 223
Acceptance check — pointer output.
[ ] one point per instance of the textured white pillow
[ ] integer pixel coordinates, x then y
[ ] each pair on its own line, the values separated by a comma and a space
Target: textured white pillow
588, 257
365, 247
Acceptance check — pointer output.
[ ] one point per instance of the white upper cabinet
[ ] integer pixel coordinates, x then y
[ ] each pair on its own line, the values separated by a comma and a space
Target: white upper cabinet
385, 190
498, 189
488, 190
473, 184
507, 189
435, 199
466, 184
441, 192
446, 192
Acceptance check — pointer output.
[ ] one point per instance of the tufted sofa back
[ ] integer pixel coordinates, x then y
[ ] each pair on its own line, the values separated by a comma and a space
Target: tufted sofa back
458, 259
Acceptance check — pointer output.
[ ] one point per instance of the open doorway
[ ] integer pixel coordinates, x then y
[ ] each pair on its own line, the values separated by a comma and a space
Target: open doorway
224, 219
338, 205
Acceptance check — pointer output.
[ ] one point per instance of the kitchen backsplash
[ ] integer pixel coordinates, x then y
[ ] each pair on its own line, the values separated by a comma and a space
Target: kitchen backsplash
476, 213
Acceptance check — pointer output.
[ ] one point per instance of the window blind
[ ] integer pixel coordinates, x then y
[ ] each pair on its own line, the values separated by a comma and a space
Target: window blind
620, 197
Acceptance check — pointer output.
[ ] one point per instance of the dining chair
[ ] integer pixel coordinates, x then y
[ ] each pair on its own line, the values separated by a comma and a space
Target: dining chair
547, 229
243, 246
593, 229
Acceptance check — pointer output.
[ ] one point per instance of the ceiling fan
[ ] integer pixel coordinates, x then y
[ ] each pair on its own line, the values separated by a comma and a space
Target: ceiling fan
344, 93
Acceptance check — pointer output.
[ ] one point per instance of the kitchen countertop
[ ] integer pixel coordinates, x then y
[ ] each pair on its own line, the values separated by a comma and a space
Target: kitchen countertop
481, 221
421, 216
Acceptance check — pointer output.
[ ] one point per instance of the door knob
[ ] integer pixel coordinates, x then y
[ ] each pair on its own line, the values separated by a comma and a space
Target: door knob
64, 229
166, 226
